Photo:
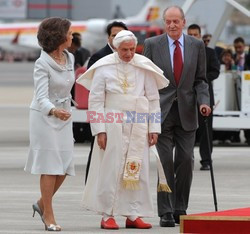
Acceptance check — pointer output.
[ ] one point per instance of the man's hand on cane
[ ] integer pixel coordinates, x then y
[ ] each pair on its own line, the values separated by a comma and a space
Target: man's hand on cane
205, 110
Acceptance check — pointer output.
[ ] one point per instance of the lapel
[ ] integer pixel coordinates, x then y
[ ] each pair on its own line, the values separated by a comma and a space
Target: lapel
108, 50
163, 51
188, 51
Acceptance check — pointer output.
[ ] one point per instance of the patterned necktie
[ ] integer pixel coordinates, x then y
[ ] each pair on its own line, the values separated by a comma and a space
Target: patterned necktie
178, 64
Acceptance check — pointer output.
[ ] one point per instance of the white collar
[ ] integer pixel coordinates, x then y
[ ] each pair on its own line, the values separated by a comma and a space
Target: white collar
111, 47
171, 41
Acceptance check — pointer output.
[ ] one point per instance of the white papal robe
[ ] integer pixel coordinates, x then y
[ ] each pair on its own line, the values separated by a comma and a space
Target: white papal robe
104, 192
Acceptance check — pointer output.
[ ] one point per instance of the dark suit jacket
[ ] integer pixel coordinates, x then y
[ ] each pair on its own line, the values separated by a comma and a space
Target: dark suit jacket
193, 85
81, 56
213, 71
247, 62
106, 50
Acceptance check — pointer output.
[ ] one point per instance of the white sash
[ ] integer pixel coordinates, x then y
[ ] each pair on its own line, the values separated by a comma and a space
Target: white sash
131, 175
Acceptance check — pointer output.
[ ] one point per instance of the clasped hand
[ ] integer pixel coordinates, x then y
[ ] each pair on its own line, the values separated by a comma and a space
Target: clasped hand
62, 114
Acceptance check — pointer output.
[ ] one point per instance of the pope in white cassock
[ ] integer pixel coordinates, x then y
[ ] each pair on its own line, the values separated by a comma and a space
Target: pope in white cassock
124, 113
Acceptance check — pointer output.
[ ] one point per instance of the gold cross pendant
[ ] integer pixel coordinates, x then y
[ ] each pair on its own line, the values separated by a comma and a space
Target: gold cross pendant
125, 85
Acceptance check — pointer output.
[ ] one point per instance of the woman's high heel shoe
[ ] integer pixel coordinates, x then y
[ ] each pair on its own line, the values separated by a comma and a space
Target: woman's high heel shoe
37, 209
52, 228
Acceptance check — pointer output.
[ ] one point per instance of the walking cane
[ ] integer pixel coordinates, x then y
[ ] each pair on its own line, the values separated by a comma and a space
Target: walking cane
210, 159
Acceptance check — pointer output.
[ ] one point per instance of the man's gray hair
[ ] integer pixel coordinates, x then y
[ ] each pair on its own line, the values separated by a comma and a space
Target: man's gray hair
173, 6
124, 35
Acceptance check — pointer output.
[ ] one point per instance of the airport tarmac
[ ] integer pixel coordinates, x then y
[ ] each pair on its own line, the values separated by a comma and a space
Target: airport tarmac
18, 190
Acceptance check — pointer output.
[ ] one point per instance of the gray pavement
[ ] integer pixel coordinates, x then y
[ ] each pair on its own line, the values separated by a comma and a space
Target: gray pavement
18, 190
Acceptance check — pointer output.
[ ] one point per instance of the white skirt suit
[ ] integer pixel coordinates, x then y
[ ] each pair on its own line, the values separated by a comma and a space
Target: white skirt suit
51, 139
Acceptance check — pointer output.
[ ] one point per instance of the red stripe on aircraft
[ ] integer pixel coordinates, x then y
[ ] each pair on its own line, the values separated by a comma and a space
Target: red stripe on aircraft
51, 6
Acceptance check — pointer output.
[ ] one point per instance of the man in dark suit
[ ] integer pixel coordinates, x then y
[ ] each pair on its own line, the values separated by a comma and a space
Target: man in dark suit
206, 39
81, 53
183, 60
241, 60
240, 57
213, 71
112, 29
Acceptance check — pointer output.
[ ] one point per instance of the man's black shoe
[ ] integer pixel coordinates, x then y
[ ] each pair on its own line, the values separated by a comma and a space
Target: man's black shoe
177, 215
167, 220
205, 167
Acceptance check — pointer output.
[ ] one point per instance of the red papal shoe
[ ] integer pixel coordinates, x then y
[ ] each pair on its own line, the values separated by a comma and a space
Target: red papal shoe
138, 223
109, 224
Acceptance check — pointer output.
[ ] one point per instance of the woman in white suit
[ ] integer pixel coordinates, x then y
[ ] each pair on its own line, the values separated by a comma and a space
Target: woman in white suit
51, 137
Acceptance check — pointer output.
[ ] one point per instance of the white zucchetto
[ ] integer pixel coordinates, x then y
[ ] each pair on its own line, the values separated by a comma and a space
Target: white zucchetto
124, 35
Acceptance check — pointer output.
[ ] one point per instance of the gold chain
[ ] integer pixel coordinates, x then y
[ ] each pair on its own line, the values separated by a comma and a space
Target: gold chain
60, 60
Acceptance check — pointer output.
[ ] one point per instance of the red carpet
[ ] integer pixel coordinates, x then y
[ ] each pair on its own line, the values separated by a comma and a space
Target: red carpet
235, 221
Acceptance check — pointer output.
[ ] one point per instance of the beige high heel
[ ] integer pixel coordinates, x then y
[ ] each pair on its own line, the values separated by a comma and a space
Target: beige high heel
52, 227
37, 209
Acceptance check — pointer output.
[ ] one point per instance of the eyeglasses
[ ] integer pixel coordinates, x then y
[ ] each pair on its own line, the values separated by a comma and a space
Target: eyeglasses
206, 40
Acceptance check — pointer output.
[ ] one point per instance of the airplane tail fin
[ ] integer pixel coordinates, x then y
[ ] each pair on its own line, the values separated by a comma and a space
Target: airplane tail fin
151, 12
16, 38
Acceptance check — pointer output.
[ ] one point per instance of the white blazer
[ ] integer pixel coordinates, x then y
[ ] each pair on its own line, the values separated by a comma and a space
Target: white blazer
52, 85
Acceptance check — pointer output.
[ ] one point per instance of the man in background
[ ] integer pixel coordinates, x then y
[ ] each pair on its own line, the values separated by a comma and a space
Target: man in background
112, 29
242, 62
240, 57
213, 71
206, 39
81, 54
